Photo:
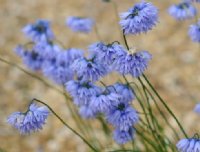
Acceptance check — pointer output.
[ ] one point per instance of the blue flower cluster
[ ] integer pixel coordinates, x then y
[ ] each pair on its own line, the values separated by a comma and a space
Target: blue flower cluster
186, 10
198, 1
183, 10
188, 145
30, 121
112, 101
80, 73
43, 55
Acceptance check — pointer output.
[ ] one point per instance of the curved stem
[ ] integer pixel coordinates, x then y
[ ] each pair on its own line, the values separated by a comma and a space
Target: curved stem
125, 41
64, 123
154, 133
166, 106
162, 114
30, 74
154, 121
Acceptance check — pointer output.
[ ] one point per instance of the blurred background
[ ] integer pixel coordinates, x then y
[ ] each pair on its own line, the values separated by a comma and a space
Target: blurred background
174, 70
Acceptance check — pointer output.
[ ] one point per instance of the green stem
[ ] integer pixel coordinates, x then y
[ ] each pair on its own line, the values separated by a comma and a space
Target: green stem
104, 126
30, 74
165, 105
143, 108
162, 114
147, 140
64, 123
73, 114
153, 118
125, 41
83, 127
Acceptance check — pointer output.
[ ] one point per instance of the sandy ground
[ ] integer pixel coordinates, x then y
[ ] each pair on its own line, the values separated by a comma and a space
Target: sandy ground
174, 69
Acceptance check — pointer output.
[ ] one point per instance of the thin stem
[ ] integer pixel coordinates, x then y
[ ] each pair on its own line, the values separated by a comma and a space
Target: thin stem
103, 83
64, 123
166, 106
60, 43
30, 74
146, 116
73, 114
153, 118
146, 139
161, 112
154, 133
125, 150
125, 41
84, 126
104, 126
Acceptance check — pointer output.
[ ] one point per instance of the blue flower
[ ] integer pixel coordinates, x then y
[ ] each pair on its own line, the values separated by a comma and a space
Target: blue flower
193, 1
48, 50
125, 91
197, 108
194, 32
106, 53
82, 91
122, 116
102, 103
134, 64
89, 69
39, 31
122, 137
31, 57
73, 54
80, 24
182, 11
30, 121
87, 112
140, 18
58, 68
188, 145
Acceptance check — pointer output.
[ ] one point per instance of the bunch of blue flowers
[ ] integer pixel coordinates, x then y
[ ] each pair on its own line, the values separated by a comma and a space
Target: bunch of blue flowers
81, 73
187, 10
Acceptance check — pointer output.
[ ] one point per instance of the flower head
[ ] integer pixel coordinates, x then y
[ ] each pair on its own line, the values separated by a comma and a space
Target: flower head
39, 31
182, 11
188, 145
58, 68
122, 137
31, 57
140, 18
122, 116
102, 103
125, 91
106, 53
194, 32
80, 24
87, 112
31, 121
82, 91
134, 64
89, 69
